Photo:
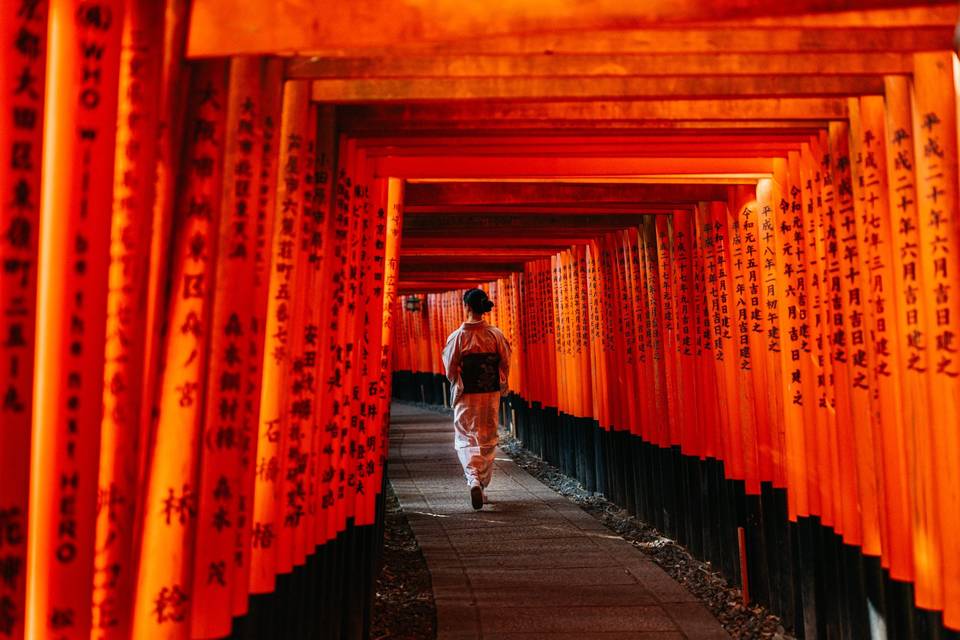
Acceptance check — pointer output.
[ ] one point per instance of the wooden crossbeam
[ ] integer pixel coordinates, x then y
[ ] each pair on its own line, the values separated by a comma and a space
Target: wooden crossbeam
550, 65
398, 143
477, 255
490, 114
730, 147
550, 193
595, 88
427, 286
534, 225
458, 268
936, 12
518, 166
438, 277
411, 241
565, 210
529, 231
711, 38
231, 27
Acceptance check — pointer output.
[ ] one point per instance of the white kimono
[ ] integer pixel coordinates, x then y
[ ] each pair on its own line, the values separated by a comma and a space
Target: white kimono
477, 360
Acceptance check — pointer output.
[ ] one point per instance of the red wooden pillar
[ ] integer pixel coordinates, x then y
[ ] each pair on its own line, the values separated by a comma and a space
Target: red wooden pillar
121, 439
162, 601
655, 322
743, 275
727, 346
21, 138
388, 333
771, 293
797, 382
823, 484
287, 214
79, 125
233, 319
918, 531
261, 240
938, 212
668, 311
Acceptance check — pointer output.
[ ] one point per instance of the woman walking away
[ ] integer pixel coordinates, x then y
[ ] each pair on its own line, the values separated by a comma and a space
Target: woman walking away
477, 359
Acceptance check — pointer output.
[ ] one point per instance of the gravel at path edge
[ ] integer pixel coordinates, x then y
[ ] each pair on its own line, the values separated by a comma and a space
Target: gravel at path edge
699, 578
403, 607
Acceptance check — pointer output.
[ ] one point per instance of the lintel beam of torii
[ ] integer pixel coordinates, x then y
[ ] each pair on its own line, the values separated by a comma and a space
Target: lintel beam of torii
645, 125
556, 167
715, 37
379, 145
469, 242
539, 65
479, 254
566, 235
439, 275
461, 267
231, 27
470, 115
434, 224
682, 147
427, 286
480, 193
566, 210
563, 88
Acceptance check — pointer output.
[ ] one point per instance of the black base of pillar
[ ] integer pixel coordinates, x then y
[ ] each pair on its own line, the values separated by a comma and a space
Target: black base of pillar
329, 597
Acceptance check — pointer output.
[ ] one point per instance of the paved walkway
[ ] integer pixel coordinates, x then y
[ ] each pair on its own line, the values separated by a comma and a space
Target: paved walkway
531, 564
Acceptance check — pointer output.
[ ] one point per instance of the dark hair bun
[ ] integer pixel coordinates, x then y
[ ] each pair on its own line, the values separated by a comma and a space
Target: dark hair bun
478, 301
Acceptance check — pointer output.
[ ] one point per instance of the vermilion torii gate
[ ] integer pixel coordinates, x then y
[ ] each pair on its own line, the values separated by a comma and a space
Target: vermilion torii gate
723, 238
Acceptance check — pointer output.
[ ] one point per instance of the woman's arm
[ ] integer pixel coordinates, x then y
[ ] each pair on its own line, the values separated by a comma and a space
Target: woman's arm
451, 356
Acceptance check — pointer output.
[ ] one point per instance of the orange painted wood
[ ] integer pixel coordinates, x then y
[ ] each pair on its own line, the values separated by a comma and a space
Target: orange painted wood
291, 509
749, 218
171, 113
226, 27
566, 65
740, 210
653, 88
636, 287
279, 335
389, 321
915, 531
822, 483
21, 132
796, 367
72, 269
683, 292
935, 150
659, 432
162, 602
636, 295
705, 277
771, 293
233, 319
122, 436
724, 328
669, 321
851, 359
725, 114
261, 231
869, 189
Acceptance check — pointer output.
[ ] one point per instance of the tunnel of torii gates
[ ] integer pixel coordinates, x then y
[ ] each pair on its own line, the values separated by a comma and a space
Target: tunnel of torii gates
723, 240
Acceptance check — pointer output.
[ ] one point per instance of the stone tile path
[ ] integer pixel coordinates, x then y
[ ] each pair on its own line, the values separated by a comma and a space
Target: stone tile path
531, 564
